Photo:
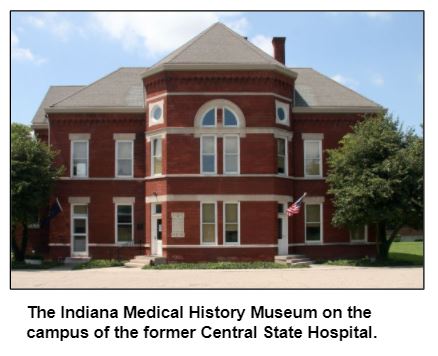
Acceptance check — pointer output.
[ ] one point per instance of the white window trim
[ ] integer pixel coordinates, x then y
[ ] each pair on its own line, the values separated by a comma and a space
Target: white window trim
80, 216
286, 108
286, 157
116, 231
215, 223
153, 139
117, 160
72, 142
360, 241
320, 159
215, 155
224, 222
151, 120
321, 217
224, 155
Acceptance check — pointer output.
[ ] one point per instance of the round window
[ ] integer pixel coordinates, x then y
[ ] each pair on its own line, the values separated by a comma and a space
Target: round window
281, 114
156, 112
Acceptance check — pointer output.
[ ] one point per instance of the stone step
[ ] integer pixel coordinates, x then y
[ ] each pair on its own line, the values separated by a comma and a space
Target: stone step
135, 264
142, 260
76, 260
293, 260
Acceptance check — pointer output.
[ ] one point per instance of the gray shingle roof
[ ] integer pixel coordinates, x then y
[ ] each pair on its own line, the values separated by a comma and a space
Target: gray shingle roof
218, 44
313, 89
122, 88
53, 95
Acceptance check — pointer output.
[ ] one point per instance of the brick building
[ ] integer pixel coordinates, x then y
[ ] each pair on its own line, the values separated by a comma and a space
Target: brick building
198, 157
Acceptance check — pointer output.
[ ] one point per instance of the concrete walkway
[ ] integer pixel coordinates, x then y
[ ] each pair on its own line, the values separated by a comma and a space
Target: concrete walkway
314, 277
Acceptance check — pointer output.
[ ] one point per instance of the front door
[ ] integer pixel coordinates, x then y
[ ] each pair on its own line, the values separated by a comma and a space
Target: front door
157, 231
79, 231
282, 235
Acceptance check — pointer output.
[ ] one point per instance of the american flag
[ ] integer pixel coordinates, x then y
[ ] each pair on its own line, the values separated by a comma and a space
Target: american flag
295, 207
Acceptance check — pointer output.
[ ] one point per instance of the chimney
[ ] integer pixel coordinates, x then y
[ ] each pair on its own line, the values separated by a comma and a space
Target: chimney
279, 52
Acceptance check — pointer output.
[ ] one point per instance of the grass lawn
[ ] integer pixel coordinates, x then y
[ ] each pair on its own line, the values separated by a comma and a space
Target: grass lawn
400, 254
99, 264
44, 265
223, 265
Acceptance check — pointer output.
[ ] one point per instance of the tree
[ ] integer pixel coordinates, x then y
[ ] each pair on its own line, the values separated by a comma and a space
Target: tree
32, 177
376, 178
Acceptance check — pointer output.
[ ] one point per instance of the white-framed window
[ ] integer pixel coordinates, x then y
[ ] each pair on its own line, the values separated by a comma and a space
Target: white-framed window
208, 154
156, 113
124, 223
79, 228
282, 113
79, 158
124, 158
313, 223
208, 224
312, 158
230, 118
359, 234
231, 223
156, 156
209, 119
231, 154
282, 156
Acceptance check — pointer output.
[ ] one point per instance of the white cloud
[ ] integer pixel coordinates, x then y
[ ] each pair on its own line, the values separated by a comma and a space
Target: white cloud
264, 43
378, 15
23, 54
156, 33
349, 82
53, 22
377, 80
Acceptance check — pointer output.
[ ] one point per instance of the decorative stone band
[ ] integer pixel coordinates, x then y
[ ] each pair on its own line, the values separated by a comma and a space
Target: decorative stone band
218, 197
194, 175
222, 246
314, 200
123, 200
79, 200
312, 136
79, 136
124, 136
350, 243
102, 245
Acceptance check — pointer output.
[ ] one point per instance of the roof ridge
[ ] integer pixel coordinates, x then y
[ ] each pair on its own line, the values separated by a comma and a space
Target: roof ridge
86, 86
345, 87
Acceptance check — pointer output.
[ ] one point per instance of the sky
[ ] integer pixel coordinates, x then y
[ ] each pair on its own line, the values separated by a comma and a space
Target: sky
378, 54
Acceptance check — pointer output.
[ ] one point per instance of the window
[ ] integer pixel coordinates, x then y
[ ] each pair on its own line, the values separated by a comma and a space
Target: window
312, 158
281, 156
359, 234
79, 228
79, 158
231, 223
313, 222
208, 223
209, 118
156, 113
156, 164
230, 118
124, 158
208, 154
282, 113
231, 154
124, 223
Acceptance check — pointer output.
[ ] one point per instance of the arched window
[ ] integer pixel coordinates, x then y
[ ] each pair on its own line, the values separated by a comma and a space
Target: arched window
209, 118
230, 119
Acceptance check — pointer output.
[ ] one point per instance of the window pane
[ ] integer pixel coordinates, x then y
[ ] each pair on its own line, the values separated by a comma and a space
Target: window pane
124, 167
124, 210
79, 244
231, 213
208, 145
80, 150
281, 147
124, 233
158, 165
312, 150
229, 118
208, 215
313, 167
157, 208
157, 147
231, 164
313, 232
231, 235
313, 213
209, 118
231, 144
280, 228
280, 208
124, 150
80, 168
80, 209
358, 234
208, 163
208, 233
79, 226
281, 164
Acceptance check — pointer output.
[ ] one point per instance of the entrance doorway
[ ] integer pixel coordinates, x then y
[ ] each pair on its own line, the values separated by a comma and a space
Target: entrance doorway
157, 231
282, 233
